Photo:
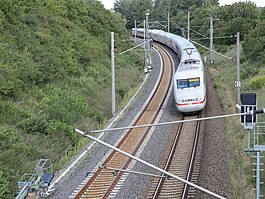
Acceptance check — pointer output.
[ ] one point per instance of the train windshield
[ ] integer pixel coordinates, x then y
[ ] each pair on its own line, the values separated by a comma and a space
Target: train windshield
186, 83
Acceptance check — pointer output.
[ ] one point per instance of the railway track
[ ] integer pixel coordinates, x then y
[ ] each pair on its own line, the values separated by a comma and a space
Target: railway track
181, 162
101, 182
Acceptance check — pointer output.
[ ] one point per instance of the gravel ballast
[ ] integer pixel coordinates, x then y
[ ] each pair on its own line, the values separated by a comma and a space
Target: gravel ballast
214, 171
74, 178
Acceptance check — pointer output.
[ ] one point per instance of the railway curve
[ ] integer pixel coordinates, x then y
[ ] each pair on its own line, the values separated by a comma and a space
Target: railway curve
101, 182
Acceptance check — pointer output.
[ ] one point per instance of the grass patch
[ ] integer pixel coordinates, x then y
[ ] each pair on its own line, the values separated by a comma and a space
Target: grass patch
55, 62
224, 75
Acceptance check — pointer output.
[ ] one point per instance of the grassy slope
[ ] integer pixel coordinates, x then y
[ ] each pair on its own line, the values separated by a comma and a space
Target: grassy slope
55, 76
224, 76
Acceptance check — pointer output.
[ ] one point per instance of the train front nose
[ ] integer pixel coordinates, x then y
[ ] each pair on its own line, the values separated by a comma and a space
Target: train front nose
190, 104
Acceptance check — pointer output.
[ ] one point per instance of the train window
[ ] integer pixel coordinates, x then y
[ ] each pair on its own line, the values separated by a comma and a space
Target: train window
183, 83
186, 83
194, 82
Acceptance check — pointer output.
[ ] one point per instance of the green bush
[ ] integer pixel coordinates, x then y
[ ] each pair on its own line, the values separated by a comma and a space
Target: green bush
4, 189
18, 71
55, 76
12, 113
257, 82
7, 137
70, 107
10, 85
247, 72
37, 124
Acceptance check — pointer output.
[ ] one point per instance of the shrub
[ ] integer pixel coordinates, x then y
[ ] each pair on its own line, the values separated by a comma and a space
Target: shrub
246, 73
7, 137
4, 190
9, 83
37, 124
257, 82
12, 113
55, 76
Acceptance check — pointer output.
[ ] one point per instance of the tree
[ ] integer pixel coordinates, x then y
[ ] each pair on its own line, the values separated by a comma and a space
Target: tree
262, 14
133, 10
161, 9
254, 45
238, 17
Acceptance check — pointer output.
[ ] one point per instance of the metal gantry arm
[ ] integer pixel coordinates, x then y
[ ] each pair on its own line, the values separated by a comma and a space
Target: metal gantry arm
31, 183
251, 112
28, 181
177, 122
148, 164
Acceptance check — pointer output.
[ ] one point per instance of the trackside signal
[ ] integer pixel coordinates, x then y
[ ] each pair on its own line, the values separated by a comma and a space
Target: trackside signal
248, 105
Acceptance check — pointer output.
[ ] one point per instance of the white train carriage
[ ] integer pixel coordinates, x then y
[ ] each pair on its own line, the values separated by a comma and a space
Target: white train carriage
189, 86
189, 79
139, 32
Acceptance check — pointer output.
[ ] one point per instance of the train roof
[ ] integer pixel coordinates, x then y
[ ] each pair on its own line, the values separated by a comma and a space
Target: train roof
188, 75
187, 54
190, 58
194, 65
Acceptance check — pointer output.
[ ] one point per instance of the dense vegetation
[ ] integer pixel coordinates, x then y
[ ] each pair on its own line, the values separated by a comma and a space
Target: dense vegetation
243, 17
55, 76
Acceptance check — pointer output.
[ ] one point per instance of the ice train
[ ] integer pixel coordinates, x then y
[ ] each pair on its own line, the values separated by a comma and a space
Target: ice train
189, 83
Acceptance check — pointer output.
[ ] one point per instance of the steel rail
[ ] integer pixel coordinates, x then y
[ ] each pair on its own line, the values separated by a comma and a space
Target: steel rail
156, 193
166, 187
192, 159
148, 164
132, 172
164, 87
136, 140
